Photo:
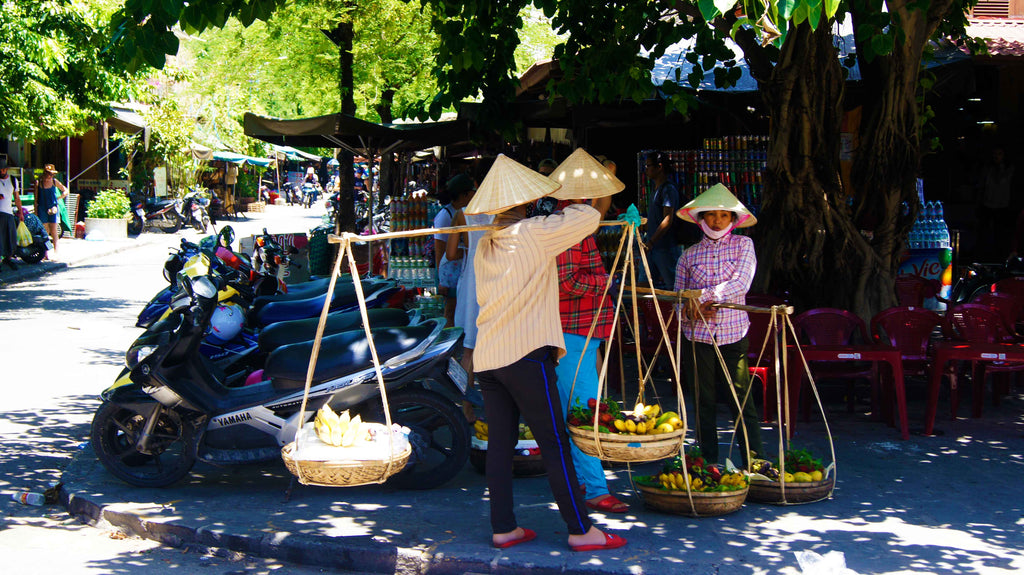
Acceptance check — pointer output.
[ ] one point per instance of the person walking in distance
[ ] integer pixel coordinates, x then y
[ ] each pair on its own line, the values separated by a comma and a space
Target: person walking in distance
10, 215
49, 191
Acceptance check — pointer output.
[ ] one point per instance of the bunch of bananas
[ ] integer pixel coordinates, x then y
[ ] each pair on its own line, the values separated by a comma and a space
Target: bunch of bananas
480, 427
647, 420
334, 429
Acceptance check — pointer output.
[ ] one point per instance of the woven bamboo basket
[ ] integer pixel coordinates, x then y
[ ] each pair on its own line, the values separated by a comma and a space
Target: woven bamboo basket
343, 473
627, 448
762, 491
705, 504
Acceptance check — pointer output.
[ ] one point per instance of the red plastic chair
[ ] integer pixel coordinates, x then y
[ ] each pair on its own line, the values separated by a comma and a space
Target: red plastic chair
1007, 306
1011, 286
765, 371
979, 323
910, 330
836, 327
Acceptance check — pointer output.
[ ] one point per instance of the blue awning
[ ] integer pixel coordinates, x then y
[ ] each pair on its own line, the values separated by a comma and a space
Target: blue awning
241, 159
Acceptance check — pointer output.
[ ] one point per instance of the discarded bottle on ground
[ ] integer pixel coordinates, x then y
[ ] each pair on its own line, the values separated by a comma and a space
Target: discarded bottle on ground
29, 498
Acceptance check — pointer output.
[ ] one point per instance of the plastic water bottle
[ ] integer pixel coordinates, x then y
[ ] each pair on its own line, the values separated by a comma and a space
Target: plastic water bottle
29, 498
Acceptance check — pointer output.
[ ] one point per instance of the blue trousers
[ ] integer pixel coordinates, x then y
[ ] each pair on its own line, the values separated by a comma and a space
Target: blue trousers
528, 387
588, 467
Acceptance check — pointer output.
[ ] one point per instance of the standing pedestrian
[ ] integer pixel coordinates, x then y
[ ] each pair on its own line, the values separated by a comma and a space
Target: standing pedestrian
10, 215
466, 307
583, 305
456, 195
722, 265
49, 191
519, 340
660, 240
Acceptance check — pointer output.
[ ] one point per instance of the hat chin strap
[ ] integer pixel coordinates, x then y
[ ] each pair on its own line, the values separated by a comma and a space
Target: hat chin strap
716, 234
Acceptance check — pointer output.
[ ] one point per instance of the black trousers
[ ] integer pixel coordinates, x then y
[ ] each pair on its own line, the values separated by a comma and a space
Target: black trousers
709, 377
529, 386
8, 234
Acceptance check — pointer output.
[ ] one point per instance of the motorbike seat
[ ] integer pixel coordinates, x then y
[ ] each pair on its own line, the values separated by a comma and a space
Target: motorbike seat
288, 332
158, 203
280, 307
340, 354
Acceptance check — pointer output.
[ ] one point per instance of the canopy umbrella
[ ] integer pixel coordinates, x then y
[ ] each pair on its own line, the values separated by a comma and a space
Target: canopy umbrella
360, 137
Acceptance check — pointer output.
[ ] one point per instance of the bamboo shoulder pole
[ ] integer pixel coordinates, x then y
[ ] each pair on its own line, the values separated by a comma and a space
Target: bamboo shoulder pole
337, 239
786, 309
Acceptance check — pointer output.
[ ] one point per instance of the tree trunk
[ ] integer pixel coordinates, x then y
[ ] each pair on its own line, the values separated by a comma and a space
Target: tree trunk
346, 160
387, 160
806, 241
888, 156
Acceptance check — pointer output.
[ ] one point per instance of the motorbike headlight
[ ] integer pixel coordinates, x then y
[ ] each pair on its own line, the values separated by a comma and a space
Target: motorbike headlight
138, 353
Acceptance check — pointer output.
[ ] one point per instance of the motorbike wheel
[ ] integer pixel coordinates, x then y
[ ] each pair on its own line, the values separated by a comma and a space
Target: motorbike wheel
175, 224
115, 433
135, 227
32, 254
439, 435
205, 224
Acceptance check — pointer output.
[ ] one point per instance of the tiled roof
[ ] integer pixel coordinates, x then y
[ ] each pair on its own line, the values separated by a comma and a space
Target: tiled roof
1004, 36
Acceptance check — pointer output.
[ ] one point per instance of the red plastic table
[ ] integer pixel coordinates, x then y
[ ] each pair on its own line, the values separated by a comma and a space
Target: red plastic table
872, 353
947, 351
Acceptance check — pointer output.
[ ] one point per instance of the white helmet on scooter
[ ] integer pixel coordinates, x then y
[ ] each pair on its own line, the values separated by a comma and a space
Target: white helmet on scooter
226, 322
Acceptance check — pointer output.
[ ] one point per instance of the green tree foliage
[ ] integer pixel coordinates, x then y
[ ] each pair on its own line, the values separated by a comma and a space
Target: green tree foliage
54, 78
610, 50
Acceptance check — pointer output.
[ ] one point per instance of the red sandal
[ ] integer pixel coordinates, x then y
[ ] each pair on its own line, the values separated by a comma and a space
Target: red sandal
610, 504
528, 535
610, 542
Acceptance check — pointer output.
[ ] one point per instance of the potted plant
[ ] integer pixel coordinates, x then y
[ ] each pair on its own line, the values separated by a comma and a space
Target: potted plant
108, 214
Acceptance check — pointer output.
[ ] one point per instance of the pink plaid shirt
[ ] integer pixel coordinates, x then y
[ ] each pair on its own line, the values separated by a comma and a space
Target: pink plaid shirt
724, 269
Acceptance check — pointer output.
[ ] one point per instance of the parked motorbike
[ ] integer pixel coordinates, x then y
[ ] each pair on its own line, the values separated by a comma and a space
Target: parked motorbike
36, 251
169, 409
161, 213
193, 209
979, 277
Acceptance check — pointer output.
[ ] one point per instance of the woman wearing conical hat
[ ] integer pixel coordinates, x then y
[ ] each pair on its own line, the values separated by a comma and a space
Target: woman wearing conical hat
722, 265
519, 341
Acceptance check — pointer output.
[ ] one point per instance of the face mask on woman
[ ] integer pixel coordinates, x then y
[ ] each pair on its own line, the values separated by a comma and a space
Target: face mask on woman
715, 234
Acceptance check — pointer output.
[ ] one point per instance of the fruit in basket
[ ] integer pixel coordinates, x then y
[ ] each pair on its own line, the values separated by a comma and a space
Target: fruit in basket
801, 467
339, 430
704, 477
643, 420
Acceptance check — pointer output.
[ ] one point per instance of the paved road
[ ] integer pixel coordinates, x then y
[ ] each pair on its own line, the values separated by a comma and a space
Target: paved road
62, 340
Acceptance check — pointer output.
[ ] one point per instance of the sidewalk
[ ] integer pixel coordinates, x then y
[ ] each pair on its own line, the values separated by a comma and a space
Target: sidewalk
73, 251
943, 504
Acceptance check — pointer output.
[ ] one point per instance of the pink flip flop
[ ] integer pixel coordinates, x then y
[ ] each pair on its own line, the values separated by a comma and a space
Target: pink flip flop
528, 535
612, 541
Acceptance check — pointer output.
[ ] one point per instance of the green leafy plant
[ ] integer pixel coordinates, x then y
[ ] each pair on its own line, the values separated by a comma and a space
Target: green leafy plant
108, 204
247, 185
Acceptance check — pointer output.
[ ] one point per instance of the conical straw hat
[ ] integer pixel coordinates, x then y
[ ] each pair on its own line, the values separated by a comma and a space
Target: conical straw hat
583, 177
717, 197
508, 184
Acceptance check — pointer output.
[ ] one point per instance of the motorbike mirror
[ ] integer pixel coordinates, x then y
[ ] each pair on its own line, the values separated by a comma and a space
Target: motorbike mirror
226, 237
203, 287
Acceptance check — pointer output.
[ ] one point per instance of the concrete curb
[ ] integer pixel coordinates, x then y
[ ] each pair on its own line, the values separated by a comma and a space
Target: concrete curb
360, 554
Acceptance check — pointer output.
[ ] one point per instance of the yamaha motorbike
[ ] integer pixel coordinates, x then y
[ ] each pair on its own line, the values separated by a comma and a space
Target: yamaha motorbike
161, 213
170, 409
36, 251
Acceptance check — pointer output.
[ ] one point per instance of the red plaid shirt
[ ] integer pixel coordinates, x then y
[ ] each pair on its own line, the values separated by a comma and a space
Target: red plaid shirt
581, 281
